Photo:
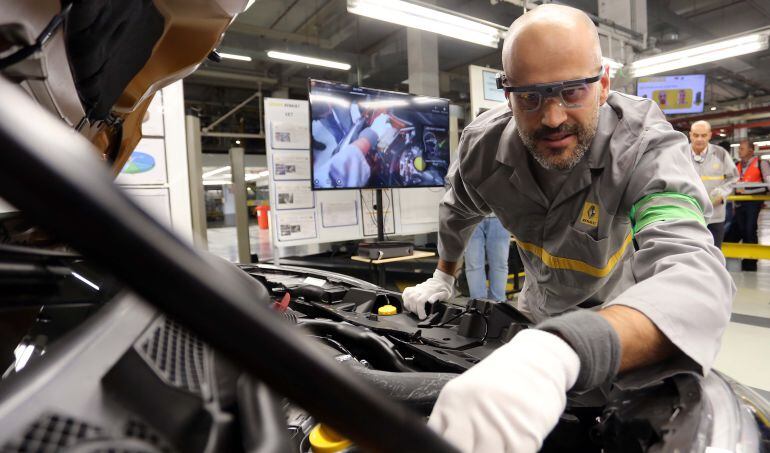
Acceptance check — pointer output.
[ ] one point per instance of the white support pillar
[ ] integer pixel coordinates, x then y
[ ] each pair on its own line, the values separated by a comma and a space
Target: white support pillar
424, 79
631, 14
422, 54
195, 175
238, 172
627, 13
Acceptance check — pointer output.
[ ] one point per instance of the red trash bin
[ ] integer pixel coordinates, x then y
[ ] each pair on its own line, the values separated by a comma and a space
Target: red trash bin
262, 217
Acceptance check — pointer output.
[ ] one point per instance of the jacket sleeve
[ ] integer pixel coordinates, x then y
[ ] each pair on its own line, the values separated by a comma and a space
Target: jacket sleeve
461, 209
681, 283
731, 176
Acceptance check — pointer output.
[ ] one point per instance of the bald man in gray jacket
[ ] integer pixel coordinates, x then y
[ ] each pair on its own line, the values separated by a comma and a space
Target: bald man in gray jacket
717, 171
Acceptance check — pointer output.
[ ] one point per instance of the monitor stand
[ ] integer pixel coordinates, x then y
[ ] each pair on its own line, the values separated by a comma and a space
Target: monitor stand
380, 218
383, 249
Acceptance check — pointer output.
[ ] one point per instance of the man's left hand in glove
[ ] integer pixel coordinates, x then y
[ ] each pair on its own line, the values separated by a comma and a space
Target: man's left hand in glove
510, 401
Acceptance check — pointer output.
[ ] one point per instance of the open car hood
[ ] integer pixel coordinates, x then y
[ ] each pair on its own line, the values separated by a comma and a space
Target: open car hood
97, 64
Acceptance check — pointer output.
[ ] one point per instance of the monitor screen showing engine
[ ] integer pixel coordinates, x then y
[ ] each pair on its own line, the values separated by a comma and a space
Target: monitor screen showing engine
674, 94
366, 138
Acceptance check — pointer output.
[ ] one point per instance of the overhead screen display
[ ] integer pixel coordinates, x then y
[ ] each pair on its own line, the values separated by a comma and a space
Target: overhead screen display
366, 138
674, 94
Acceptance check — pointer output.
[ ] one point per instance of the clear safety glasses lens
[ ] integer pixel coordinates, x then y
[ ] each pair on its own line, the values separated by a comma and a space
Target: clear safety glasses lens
572, 97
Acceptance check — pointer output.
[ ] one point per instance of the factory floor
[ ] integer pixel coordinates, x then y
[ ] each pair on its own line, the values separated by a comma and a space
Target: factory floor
745, 353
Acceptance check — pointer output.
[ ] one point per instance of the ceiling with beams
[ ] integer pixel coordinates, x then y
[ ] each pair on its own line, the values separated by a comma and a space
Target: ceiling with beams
377, 51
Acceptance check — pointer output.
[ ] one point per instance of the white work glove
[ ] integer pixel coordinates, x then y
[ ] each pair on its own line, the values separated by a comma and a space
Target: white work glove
355, 112
438, 287
381, 124
384, 130
349, 168
322, 134
511, 400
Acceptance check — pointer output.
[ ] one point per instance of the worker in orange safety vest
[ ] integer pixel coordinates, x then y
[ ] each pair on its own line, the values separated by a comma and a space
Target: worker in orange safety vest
751, 169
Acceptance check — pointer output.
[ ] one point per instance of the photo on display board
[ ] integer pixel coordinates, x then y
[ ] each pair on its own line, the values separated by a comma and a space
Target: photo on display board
296, 225
366, 138
282, 170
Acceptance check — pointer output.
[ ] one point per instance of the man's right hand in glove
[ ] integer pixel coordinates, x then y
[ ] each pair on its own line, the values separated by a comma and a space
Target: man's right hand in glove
438, 287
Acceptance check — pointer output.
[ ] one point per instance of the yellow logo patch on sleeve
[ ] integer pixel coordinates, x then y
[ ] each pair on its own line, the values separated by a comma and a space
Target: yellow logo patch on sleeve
590, 214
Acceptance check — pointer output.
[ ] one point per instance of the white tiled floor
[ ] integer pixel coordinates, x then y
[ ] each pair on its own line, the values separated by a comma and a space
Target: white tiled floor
753, 296
745, 353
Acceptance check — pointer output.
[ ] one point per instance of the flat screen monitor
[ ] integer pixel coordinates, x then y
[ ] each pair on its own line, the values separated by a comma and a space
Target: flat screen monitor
674, 94
364, 138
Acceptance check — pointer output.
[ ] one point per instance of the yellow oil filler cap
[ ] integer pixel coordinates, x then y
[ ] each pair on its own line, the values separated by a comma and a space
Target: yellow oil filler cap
324, 440
387, 310
419, 163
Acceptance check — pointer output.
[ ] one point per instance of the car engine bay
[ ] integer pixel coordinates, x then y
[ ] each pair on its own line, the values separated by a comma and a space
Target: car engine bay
122, 375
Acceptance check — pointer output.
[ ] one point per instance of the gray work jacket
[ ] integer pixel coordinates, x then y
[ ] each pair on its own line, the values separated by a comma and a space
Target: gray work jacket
719, 175
627, 226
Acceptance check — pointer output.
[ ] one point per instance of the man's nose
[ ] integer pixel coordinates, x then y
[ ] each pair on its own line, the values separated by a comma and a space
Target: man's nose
553, 112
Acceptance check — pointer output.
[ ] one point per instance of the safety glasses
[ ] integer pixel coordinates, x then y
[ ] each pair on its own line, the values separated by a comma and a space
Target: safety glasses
529, 98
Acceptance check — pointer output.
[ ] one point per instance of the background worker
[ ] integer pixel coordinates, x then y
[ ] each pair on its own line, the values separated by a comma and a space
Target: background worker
752, 170
718, 173
490, 244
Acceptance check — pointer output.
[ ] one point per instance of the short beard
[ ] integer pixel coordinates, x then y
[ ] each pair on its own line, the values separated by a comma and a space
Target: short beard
585, 136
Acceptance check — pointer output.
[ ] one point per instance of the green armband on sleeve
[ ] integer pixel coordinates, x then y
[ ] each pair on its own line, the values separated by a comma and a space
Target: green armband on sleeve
663, 207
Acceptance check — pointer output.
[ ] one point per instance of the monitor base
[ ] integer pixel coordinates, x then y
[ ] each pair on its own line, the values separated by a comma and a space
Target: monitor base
381, 250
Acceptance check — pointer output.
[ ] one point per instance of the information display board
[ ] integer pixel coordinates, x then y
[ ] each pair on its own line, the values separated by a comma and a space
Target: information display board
156, 173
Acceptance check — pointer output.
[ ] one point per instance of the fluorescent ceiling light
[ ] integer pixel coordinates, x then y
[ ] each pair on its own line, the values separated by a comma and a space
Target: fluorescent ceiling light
763, 143
217, 182
429, 19
342, 102
254, 176
23, 354
85, 280
307, 60
384, 104
425, 100
248, 5
227, 178
735, 145
713, 108
706, 53
232, 56
211, 173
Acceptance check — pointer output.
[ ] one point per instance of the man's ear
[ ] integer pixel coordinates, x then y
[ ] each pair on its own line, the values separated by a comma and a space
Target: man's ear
605, 85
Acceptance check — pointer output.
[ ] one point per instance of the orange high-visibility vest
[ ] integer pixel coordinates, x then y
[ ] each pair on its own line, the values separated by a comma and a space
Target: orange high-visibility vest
752, 172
